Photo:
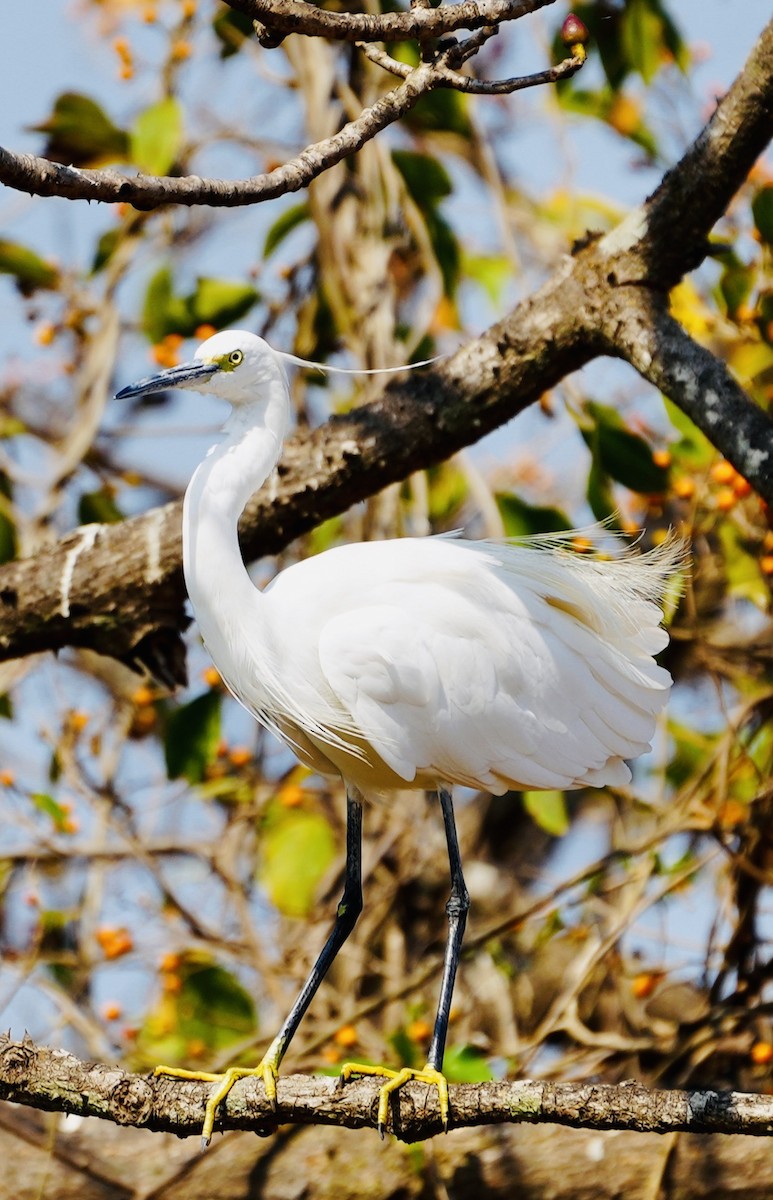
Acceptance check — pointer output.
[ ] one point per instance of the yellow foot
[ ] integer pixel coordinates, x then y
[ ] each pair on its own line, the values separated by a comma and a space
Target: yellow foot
427, 1074
265, 1070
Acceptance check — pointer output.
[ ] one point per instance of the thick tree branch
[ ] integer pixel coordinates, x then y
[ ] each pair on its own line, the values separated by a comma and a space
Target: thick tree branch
421, 24
697, 381
56, 1081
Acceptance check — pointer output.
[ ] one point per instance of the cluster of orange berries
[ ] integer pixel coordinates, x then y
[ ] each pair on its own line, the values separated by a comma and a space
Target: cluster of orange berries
731, 488
144, 717
125, 57
114, 941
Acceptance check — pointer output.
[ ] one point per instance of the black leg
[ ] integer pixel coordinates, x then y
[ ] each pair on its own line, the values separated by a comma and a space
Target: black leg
349, 909
456, 910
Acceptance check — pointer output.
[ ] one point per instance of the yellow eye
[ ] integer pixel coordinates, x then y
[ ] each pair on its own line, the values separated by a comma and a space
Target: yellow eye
235, 357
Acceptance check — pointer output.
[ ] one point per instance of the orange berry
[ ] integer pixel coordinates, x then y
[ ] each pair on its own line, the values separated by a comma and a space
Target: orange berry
170, 962
202, 332
70, 825
7, 779
126, 71
726, 499
78, 721
122, 48
114, 942
767, 541
419, 1030
180, 50
766, 564
331, 1055
723, 471
761, 1053
149, 14
291, 795
111, 1010
644, 984
582, 544
211, 677
143, 695
172, 983
240, 756
346, 1037
742, 487
661, 458
732, 813
45, 334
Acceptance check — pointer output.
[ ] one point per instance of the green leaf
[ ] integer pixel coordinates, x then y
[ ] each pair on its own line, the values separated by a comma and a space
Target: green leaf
6, 706
762, 211
217, 302
446, 249
156, 137
192, 737
623, 455
8, 541
211, 1011
466, 1064
106, 247
426, 179
220, 302
491, 271
99, 507
441, 110
548, 810
29, 269
641, 33
50, 808
599, 490
232, 29
81, 134
522, 519
693, 447
745, 580
735, 285
159, 298
297, 847
285, 223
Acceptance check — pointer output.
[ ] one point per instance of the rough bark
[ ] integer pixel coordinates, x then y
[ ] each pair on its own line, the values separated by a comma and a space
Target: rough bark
59, 1082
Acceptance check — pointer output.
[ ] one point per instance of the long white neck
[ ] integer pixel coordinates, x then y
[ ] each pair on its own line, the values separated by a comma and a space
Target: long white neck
223, 596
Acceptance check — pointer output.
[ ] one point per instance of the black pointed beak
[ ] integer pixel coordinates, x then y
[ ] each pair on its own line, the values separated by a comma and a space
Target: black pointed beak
175, 377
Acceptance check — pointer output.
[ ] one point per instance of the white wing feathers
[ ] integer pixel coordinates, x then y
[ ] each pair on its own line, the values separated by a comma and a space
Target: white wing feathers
502, 666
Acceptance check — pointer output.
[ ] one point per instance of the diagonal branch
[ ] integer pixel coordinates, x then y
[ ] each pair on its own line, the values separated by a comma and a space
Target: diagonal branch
41, 177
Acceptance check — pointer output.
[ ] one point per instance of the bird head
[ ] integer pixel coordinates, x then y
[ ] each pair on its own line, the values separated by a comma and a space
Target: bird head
235, 365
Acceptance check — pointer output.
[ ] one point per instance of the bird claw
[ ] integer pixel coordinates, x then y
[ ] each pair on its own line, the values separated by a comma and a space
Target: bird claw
265, 1070
395, 1080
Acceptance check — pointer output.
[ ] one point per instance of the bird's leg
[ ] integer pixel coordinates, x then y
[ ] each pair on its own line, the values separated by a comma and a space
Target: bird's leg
456, 910
347, 912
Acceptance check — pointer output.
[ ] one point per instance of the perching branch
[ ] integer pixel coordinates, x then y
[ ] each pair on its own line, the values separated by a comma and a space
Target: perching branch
58, 1082
118, 588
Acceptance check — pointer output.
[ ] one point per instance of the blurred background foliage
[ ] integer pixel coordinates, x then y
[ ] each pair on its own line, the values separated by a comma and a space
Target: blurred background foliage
167, 870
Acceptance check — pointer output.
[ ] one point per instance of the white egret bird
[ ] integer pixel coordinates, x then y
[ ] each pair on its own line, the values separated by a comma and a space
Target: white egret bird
411, 663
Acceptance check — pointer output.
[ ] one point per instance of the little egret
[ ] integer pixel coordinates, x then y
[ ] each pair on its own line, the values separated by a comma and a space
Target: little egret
411, 663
